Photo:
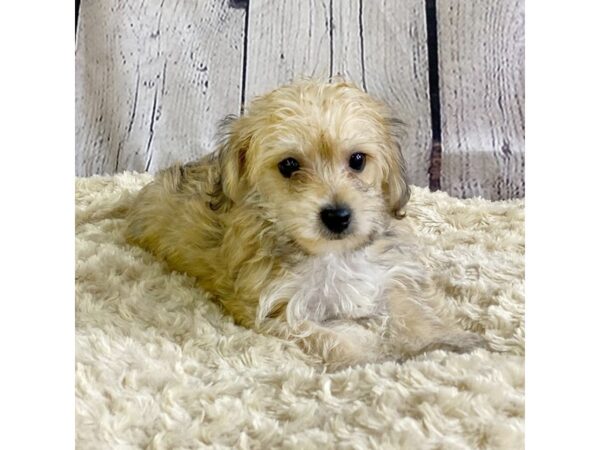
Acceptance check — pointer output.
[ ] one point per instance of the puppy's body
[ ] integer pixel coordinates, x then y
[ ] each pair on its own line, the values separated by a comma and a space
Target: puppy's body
315, 255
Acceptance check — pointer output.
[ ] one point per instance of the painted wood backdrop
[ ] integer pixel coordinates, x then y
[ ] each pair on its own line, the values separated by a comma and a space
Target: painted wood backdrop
154, 77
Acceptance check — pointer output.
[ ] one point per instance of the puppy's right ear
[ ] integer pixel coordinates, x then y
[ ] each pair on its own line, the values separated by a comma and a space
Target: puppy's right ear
396, 186
232, 148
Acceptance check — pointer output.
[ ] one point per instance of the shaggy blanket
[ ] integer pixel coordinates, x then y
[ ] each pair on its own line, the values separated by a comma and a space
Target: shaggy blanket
160, 366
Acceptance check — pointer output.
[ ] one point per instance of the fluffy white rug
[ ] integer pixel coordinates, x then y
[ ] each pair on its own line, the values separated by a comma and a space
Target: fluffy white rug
159, 366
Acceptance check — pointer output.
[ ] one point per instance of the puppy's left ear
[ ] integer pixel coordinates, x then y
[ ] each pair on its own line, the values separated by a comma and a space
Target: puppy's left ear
396, 186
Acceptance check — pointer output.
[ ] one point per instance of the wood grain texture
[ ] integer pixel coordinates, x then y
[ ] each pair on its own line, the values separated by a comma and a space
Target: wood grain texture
380, 45
153, 79
286, 42
482, 91
396, 71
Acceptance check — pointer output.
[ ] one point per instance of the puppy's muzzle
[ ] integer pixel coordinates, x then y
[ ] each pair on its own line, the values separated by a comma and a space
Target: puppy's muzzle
336, 218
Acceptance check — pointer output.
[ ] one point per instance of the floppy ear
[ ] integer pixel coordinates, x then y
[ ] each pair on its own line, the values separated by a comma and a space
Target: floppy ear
231, 154
396, 185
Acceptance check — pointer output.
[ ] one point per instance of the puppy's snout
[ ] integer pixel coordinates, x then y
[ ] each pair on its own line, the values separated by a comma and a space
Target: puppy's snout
336, 218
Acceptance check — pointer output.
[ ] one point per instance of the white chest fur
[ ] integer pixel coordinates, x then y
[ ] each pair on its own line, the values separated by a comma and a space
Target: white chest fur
327, 287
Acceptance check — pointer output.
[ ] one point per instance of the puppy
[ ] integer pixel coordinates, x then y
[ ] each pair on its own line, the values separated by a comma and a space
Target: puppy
292, 225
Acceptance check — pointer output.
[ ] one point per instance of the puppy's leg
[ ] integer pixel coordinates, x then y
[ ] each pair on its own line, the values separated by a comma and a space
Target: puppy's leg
344, 343
415, 327
340, 343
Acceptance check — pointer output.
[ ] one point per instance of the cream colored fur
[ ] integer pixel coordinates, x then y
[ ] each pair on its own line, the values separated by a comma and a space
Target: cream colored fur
255, 240
161, 366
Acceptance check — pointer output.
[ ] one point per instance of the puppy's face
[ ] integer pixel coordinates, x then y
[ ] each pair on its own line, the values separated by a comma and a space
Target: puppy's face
320, 162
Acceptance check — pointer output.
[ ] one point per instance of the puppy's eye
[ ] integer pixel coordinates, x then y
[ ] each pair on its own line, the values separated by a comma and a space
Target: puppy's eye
288, 166
357, 161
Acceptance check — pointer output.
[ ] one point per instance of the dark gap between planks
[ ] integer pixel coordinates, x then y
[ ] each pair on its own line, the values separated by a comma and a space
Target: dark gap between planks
435, 161
77, 3
243, 5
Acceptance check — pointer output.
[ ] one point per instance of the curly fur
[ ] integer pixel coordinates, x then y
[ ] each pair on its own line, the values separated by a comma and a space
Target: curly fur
254, 239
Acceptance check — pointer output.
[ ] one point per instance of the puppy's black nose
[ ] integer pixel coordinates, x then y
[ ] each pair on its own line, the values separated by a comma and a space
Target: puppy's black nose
336, 219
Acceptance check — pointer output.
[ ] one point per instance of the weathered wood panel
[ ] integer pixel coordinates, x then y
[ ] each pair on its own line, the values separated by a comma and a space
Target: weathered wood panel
482, 91
347, 54
153, 79
395, 70
380, 45
286, 41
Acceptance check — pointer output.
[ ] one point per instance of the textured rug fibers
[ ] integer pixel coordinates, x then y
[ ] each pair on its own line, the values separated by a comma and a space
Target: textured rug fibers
160, 366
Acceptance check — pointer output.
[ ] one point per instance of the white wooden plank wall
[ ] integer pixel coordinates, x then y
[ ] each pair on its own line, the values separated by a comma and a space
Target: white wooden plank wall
285, 42
396, 70
155, 77
482, 92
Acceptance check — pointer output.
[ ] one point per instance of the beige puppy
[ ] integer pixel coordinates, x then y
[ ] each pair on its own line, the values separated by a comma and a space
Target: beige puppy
292, 225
